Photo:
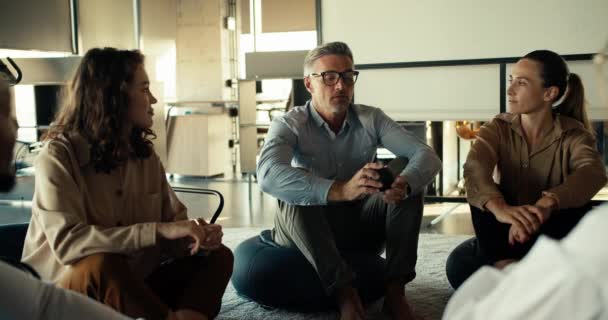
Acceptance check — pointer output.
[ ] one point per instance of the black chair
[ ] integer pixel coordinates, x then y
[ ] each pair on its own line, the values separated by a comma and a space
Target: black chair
12, 237
216, 193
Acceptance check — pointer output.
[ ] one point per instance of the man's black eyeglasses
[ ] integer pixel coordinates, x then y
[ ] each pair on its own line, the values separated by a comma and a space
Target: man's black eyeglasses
330, 78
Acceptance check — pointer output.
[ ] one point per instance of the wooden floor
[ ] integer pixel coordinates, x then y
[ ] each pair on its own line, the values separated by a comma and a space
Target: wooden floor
245, 205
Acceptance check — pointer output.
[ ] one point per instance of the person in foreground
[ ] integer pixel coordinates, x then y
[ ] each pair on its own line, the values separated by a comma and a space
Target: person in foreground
105, 222
557, 280
23, 296
317, 161
531, 171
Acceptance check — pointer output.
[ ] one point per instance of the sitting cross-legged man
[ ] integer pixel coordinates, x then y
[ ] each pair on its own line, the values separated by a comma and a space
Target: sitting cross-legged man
318, 162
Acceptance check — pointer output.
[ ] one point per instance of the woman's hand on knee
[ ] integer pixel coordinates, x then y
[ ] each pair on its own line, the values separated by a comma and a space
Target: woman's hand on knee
181, 229
531, 218
213, 239
525, 216
517, 234
214, 234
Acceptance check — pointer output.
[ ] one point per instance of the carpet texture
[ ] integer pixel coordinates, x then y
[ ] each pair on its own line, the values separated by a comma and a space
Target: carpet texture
428, 293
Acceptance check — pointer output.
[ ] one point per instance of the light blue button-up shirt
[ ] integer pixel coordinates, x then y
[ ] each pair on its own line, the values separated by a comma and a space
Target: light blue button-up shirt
302, 156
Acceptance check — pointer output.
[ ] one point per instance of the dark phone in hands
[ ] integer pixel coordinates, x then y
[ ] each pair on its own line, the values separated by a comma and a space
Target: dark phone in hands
386, 178
392, 170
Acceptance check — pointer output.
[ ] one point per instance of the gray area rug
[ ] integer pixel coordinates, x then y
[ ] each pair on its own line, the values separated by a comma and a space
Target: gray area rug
428, 293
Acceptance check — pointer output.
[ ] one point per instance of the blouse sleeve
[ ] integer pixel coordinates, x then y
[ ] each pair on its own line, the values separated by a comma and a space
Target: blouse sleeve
587, 173
480, 164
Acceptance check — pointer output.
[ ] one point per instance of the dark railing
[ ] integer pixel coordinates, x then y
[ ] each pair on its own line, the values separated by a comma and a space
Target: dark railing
220, 207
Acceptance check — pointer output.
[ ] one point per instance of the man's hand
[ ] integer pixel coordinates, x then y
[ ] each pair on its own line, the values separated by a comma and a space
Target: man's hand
397, 192
363, 183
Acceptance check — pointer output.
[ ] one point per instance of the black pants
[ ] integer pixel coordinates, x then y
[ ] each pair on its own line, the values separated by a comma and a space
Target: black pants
491, 243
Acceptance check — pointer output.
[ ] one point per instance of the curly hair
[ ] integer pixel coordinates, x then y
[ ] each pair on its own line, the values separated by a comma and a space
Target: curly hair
96, 104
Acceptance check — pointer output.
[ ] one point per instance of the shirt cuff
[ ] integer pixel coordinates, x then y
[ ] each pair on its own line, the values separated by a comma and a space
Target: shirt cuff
480, 201
147, 235
414, 181
408, 190
322, 187
554, 196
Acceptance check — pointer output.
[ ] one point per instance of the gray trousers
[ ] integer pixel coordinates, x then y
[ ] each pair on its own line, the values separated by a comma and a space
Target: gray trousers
321, 233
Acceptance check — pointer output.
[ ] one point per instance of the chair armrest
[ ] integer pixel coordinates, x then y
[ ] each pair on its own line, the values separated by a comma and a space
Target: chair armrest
220, 207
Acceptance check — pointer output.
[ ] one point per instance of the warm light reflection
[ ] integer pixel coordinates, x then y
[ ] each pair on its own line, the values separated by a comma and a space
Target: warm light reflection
165, 72
467, 129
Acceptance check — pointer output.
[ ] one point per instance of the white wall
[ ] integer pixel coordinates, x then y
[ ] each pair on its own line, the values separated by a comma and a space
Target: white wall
158, 27
106, 23
387, 31
202, 59
446, 93
414, 30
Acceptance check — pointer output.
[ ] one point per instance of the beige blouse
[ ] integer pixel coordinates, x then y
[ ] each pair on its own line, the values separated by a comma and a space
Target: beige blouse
565, 164
77, 211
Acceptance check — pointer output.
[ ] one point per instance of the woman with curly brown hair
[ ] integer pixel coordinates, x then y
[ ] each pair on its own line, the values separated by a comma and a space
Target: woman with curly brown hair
105, 222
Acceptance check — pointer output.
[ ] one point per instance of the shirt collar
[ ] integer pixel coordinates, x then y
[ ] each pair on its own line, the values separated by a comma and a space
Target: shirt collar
349, 120
561, 124
316, 117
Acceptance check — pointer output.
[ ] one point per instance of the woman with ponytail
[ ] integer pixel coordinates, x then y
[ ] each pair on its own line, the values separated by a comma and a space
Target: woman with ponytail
532, 170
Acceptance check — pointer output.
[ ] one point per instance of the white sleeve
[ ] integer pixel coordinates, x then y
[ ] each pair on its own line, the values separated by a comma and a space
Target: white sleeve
462, 305
25, 297
547, 284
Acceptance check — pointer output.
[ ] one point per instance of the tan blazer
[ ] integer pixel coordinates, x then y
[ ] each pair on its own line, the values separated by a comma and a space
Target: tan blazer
77, 212
565, 164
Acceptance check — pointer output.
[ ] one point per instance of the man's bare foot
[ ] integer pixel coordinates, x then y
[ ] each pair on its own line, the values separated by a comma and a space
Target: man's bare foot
186, 314
351, 307
501, 264
395, 303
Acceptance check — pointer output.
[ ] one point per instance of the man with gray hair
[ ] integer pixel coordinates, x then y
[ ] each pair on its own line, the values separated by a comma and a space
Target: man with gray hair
318, 162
